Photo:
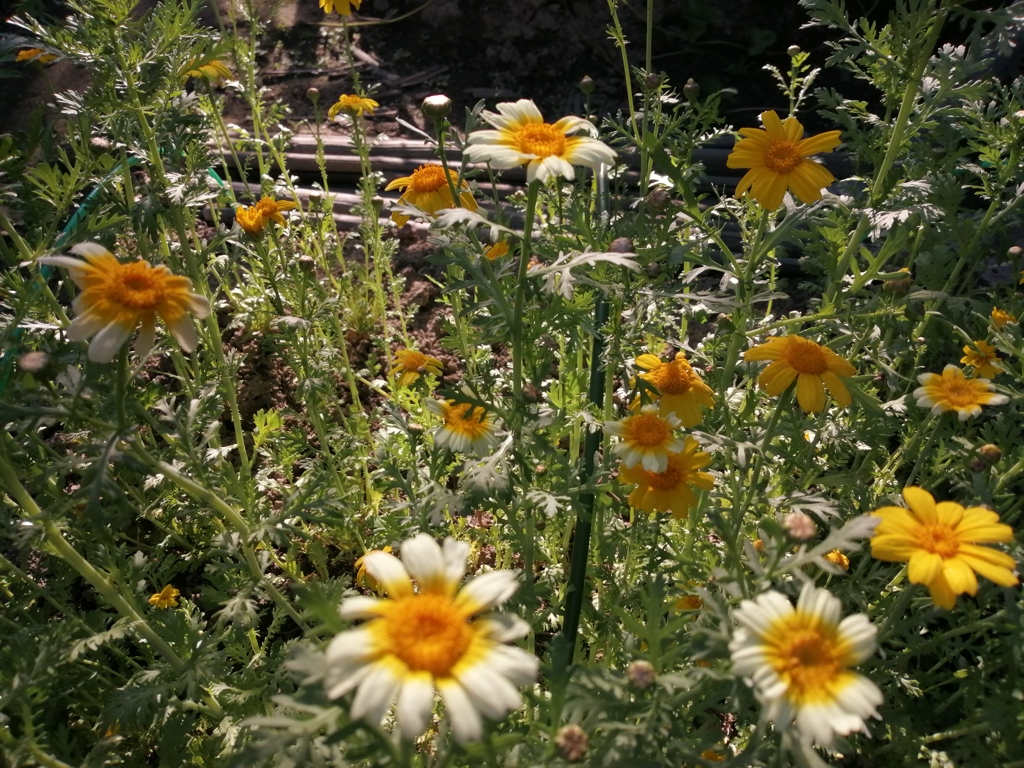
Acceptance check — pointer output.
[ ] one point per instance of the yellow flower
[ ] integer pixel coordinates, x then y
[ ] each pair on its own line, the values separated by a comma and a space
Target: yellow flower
799, 660
777, 157
1001, 318
165, 598
255, 218
211, 70
430, 635
952, 391
410, 364
363, 578
546, 149
682, 389
35, 54
939, 544
341, 7
689, 603
838, 558
117, 298
982, 356
813, 366
647, 439
713, 756
497, 250
466, 429
352, 104
428, 190
670, 490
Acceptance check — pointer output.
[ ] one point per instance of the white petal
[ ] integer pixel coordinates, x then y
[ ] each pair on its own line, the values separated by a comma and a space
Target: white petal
456, 555
422, 558
860, 633
375, 695
513, 663
146, 339
198, 305
462, 714
341, 681
503, 627
353, 645
85, 325
107, 342
359, 607
389, 573
89, 249
184, 332
415, 703
488, 590
492, 694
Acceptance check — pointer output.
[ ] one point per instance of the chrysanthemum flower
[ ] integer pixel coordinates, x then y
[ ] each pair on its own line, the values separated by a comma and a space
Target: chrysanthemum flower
364, 579
410, 364
671, 490
777, 157
836, 557
939, 544
1001, 317
813, 366
799, 660
340, 7
117, 298
429, 635
165, 598
982, 356
255, 218
428, 190
466, 429
497, 250
547, 149
35, 54
952, 391
646, 439
211, 70
682, 389
352, 104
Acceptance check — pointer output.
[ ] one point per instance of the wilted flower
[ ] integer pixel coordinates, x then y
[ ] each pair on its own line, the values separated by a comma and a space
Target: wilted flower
255, 218
431, 634
497, 250
351, 104
117, 298
836, 557
952, 391
213, 69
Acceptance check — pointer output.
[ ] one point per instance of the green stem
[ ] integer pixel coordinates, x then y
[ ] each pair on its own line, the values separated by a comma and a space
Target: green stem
519, 306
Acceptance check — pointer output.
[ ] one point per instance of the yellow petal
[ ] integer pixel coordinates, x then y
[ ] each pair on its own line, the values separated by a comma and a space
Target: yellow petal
921, 503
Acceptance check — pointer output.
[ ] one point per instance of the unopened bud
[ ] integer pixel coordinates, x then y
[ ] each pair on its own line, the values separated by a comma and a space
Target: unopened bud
658, 199
572, 743
437, 107
313, 94
540, 470
100, 144
640, 673
691, 90
652, 81
792, 51
587, 85
621, 245
653, 269
799, 527
33, 362
1014, 251
307, 263
415, 428
990, 453
378, 203
977, 464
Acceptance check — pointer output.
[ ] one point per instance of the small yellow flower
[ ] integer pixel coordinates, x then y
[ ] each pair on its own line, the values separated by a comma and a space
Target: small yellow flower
428, 190
117, 298
1001, 318
255, 218
497, 250
410, 364
777, 157
812, 366
939, 544
165, 598
672, 489
352, 104
838, 558
466, 429
35, 54
213, 70
689, 603
647, 439
341, 7
758, 545
982, 356
363, 578
952, 391
713, 756
682, 389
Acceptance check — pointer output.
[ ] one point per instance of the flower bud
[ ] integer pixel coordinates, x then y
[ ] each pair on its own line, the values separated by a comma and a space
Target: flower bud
621, 245
658, 199
572, 743
307, 263
587, 85
792, 51
313, 94
990, 453
799, 527
1014, 252
640, 673
652, 81
691, 90
33, 362
437, 107
100, 144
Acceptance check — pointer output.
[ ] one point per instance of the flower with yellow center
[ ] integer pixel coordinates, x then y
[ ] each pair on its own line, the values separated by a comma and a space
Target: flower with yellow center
341, 7
799, 661
952, 391
497, 250
777, 157
428, 190
813, 366
364, 579
1001, 317
689, 603
410, 364
646, 439
165, 598
983, 358
672, 489
117, 298
521, 137
429, 635
214, 70
35, 54
466, 428
352, 105
682, 389
939, 543
836, 557
255, 218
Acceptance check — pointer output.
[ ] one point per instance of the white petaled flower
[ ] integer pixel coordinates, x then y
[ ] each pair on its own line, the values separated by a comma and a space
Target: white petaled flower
521, 137
428, 636
646, 438
466, 428
799, 660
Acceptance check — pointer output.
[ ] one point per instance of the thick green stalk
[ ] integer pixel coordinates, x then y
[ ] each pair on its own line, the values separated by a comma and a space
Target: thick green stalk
518, 307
